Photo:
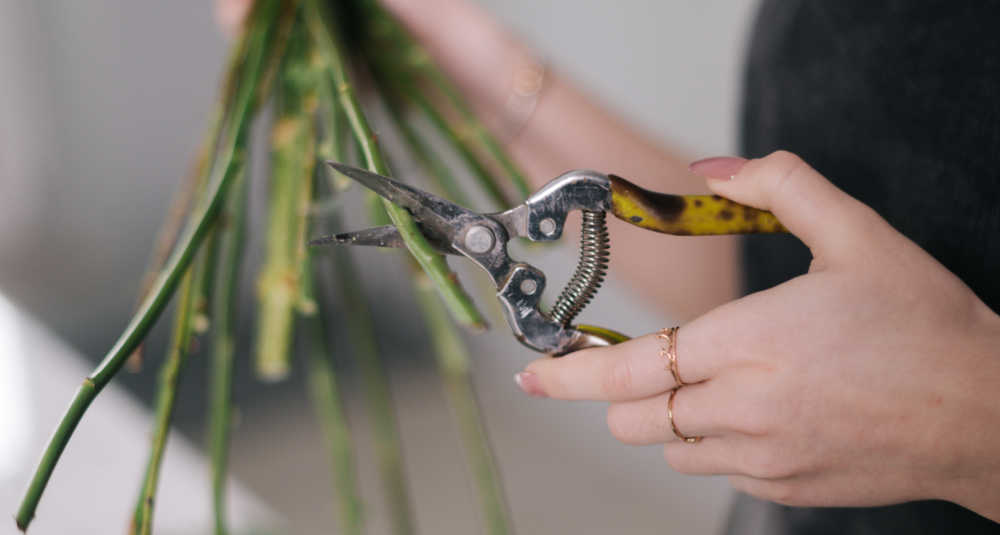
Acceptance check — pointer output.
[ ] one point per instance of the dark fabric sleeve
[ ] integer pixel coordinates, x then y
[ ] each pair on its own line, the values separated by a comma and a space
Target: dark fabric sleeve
898, 103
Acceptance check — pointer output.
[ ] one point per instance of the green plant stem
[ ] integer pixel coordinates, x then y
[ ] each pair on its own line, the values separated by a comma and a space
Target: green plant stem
410, 62
360, 324
322, 379
293, 156
306, 301
168, 232
458, 302
388, 449
224, 300
166, 396
401, 86
204, 261
377, 393
451, 353
453, 364
431, 163
497, 520
333, 139
326, 401
194, 183
179, 207
472, 124
203, 280
254, 57
460, 143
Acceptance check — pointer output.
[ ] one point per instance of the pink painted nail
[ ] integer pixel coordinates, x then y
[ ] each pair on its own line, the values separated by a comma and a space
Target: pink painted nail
719, 167
528, 383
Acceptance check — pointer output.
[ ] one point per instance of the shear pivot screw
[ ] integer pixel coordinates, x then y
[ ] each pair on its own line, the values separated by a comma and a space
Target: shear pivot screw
547, 226
479, 239
529, 286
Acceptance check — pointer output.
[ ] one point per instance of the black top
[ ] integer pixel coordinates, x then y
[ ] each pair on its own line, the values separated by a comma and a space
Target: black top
898, 103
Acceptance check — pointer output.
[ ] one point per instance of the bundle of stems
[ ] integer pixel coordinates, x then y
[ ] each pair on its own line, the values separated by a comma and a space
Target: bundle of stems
302, 57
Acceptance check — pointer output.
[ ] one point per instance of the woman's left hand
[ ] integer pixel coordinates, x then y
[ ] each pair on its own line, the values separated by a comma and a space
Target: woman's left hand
872, 379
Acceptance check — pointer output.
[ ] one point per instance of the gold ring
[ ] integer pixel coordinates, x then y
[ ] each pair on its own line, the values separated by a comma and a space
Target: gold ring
670, 416
670, 352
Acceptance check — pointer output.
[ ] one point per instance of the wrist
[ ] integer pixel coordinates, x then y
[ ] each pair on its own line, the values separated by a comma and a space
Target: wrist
977, 485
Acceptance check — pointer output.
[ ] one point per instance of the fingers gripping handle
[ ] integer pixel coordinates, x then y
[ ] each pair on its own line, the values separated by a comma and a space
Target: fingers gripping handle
687, 215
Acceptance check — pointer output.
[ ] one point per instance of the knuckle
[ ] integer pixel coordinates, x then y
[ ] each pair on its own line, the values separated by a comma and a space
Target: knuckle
782, 169
768, 463
753, 422
761, 415
783, 159
755, 414
617, 382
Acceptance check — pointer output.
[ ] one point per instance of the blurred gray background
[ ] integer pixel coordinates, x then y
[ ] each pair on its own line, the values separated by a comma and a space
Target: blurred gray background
102, 104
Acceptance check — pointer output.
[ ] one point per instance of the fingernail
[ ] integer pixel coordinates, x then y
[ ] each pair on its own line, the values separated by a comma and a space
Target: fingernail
528, 383
719, 167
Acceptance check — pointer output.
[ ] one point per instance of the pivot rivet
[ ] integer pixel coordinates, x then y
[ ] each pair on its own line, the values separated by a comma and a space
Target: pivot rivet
479, 239
529, 286
547, 226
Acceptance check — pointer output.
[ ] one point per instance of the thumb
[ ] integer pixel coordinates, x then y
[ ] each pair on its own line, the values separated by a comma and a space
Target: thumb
825, 218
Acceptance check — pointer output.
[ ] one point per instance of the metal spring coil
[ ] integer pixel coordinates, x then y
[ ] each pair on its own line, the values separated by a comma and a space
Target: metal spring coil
595, 248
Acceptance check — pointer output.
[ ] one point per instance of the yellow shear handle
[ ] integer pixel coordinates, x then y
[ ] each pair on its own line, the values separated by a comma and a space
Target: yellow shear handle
591, 336
687, 215
609, 336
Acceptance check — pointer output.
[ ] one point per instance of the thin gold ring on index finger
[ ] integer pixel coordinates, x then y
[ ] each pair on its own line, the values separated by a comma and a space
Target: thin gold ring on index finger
668, 351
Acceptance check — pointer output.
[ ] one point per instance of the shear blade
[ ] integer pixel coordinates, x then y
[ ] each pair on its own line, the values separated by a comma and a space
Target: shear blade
435, 213
384, 236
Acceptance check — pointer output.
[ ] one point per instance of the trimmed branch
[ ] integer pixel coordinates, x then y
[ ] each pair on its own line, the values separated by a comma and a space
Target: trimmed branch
256, 52
459, 303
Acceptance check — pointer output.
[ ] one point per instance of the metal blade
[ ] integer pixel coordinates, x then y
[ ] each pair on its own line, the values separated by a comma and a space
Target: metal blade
436, 214
384, 236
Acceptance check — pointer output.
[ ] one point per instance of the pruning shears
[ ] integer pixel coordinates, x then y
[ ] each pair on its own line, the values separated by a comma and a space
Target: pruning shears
482, 238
